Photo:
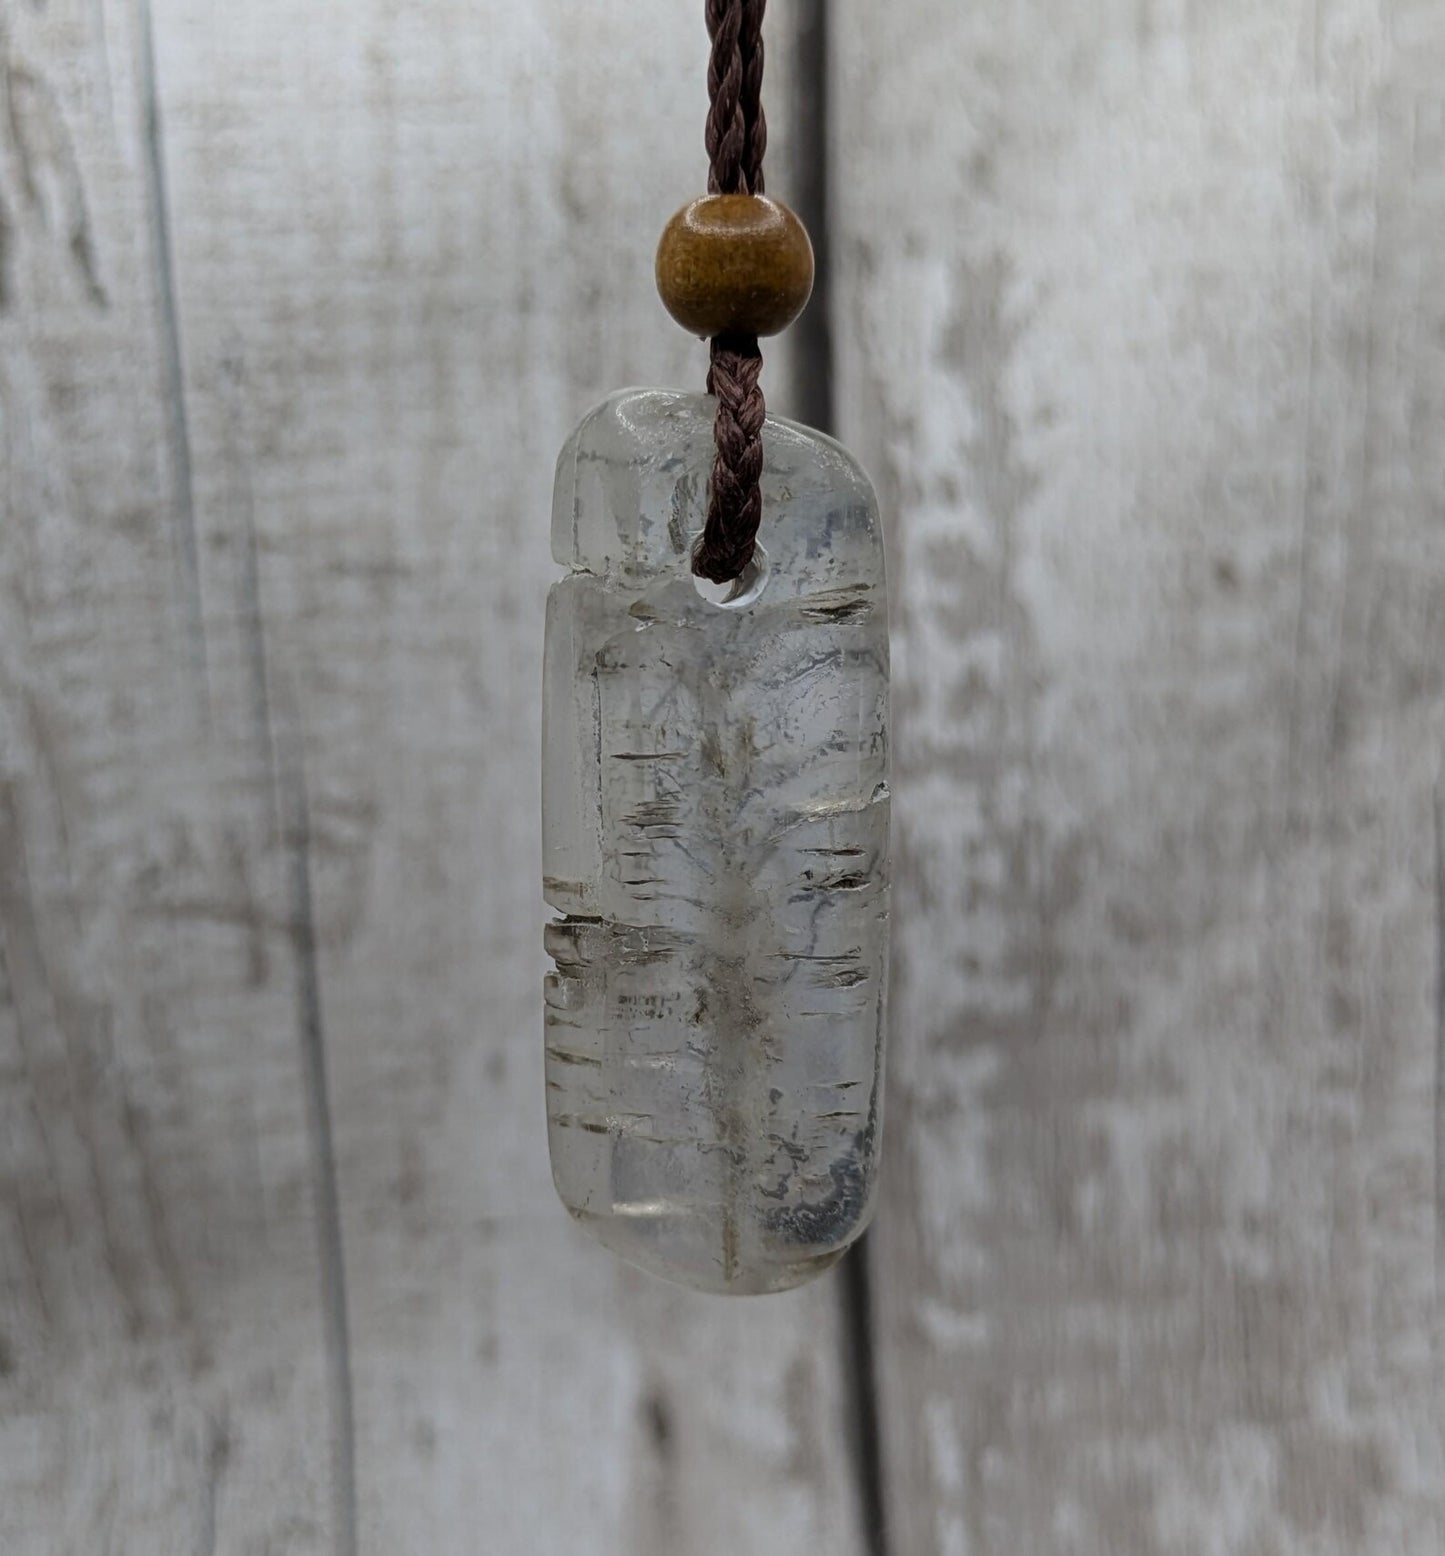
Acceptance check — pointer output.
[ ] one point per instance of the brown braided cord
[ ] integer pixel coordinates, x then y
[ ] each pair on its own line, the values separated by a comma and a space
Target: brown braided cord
737, 138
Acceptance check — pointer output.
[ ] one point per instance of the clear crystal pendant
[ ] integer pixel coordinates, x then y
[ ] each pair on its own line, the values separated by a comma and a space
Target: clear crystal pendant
715, 837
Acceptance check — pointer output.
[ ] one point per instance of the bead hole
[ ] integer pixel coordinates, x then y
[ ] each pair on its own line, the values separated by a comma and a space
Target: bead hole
738, 592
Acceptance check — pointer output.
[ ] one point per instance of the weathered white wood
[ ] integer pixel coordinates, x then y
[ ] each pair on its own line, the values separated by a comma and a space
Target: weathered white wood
283, 1269
163, 1383
1141, 323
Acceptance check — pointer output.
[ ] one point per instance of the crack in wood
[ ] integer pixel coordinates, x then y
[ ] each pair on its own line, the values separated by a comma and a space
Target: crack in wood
296, 826
284, 756
1439, 1190
813, 395
173, 396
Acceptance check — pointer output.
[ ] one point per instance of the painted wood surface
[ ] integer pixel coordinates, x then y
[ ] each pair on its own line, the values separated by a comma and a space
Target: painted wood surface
298, 305
1141, 324
1139, 320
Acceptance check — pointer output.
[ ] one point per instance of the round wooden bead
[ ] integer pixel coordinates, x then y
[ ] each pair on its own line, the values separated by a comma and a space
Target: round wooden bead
735, 264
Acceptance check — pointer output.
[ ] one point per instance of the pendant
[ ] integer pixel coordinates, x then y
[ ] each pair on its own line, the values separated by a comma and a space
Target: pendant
715, 777
715, 839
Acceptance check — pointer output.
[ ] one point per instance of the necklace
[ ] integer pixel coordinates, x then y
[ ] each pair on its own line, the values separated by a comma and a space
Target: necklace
715, 776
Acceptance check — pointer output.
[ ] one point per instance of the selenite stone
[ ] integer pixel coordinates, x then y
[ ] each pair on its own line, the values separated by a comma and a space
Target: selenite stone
715, 835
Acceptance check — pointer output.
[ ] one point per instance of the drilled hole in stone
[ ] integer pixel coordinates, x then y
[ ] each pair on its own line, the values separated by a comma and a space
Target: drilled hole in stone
738, 592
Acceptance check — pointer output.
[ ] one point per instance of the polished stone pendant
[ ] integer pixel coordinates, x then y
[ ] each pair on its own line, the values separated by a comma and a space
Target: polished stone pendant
715, 839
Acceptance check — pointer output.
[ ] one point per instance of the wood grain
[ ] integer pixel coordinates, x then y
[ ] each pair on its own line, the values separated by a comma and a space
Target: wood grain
162, 1375
1140, 314
297, 306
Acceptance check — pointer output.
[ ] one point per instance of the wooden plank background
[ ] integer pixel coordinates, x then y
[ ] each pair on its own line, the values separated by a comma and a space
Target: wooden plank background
1144, 338
1138, 318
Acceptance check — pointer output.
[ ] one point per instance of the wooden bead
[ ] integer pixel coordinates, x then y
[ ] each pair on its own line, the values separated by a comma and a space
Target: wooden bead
735, 264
